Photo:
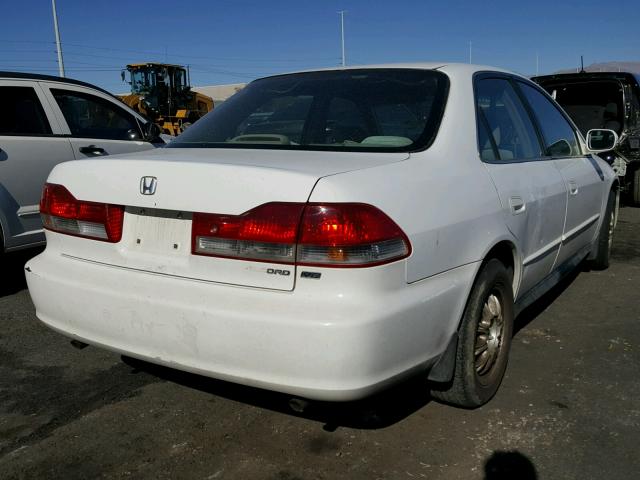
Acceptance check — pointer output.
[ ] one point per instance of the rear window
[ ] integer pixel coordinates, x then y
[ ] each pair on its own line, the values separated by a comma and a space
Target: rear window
352, 110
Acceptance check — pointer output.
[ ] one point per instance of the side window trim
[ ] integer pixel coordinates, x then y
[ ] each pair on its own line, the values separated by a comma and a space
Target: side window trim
536, 123
491, 75
48, 87
82, 92
52, 108
515, 83
481, 119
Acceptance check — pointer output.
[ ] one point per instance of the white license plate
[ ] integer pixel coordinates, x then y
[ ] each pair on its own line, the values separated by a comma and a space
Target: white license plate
158, 231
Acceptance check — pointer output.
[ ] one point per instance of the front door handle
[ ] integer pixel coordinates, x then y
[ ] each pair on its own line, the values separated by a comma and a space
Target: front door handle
573, 187
517, 205
93, 151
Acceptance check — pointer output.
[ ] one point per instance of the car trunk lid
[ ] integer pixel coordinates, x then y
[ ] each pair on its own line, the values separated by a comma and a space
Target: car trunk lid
162, 189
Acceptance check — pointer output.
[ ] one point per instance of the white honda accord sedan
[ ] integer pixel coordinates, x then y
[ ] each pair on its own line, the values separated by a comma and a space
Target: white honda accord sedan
329, 233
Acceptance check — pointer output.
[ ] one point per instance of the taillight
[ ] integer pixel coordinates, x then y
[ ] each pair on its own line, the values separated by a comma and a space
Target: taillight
332, 234
62, 212
349, 234
266, 233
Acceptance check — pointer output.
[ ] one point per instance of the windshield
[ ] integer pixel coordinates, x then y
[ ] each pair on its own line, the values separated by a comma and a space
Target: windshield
142, 81
364, 109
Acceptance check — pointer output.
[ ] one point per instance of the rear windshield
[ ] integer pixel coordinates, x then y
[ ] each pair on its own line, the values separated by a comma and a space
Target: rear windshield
352, 110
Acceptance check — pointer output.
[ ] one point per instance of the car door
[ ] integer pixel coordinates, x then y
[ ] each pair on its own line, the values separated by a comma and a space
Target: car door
31, 143
581, 173
98, 125
531, 190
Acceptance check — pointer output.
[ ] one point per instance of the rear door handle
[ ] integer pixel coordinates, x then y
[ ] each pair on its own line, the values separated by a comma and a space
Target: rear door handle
517, 205
93, 151
573, 187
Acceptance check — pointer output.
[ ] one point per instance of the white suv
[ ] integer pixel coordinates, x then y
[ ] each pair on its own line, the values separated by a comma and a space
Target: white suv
47, 120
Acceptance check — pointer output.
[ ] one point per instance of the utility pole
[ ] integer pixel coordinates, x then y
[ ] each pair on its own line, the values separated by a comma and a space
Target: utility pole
344, 58
537, 64
58, 47
470, 51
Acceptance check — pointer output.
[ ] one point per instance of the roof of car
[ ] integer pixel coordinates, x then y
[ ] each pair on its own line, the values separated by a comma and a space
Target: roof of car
50, 78
448, 67
573, 77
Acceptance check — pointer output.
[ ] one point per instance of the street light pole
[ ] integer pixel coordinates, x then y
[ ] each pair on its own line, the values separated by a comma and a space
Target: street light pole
58, 47
344, 59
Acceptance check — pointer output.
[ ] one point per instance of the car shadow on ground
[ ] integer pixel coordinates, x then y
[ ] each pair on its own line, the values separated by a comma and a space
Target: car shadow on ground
12, 278
376, 412
532, 312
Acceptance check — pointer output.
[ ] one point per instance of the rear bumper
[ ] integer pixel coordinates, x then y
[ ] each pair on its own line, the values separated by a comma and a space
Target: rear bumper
321, 341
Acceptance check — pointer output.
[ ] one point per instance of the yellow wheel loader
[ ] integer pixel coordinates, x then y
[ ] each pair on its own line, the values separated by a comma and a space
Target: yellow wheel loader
162, 92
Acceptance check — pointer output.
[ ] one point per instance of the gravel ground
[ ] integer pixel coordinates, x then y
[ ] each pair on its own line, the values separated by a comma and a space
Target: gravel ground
568, 408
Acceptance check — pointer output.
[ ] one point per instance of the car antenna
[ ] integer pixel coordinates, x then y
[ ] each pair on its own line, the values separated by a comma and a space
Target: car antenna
582, 64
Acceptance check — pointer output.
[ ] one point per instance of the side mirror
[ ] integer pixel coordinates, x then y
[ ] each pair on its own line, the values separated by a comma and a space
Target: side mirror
152, 132
601, 140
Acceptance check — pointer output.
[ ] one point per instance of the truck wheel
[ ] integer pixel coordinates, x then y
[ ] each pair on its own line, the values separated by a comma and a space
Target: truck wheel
484, 340
605, 237
636, 187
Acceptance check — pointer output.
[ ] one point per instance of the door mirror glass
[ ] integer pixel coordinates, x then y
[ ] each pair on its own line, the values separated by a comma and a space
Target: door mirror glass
601, 140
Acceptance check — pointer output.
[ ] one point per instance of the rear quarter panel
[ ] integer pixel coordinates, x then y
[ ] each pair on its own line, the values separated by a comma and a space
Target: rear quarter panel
443, 198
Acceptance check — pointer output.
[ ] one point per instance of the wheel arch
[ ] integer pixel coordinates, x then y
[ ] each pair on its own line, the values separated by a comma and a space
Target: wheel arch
505, 250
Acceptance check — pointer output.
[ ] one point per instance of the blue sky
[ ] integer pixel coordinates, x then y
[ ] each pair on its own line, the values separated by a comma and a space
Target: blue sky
227, 41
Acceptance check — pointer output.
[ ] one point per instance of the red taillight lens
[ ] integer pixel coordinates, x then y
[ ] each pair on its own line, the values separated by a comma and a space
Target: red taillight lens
349, 234
266, 233
333, 234
62, 212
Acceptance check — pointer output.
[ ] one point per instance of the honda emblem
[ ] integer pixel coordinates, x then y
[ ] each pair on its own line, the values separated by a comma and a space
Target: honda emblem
148, 185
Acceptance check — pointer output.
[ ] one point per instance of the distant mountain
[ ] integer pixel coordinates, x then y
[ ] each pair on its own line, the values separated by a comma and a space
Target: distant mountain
633, 67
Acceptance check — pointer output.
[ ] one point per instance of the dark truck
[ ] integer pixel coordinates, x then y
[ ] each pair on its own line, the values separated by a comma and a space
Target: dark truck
608, 100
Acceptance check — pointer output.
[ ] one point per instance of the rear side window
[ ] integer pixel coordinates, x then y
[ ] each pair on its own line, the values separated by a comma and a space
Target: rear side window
89, 116
559, 137
504, 125
21, 112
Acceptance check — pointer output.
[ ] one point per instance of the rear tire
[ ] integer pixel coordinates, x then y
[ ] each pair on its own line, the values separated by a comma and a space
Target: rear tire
484, 340
605, 237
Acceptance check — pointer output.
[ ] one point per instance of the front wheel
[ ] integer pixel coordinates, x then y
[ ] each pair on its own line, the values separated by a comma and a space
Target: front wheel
484, 339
